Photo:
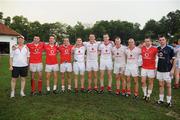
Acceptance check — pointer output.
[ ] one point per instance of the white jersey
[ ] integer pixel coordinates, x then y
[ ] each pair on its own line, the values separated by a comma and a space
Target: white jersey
106, 51
119, 55
133, 56
92, 51
79, 54
177, 54
20, 57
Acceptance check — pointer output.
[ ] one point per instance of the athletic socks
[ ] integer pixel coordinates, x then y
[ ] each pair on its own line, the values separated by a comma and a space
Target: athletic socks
48, 88
144, 90
39, 85
161, 97
33, 85
54, 87
168, 99
149, 93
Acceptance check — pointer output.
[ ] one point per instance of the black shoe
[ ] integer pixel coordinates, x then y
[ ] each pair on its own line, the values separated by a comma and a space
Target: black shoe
76, 90
69, 90
144, 97
40, 93
96, 90
83, 90
128, 95
169, 105
147, 99
101, 91
33, 93
89, 91
159, 102
55, 91
136, 97
48, 92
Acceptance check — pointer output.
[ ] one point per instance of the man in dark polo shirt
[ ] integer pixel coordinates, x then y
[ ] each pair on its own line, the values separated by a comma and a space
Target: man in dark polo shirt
165, 69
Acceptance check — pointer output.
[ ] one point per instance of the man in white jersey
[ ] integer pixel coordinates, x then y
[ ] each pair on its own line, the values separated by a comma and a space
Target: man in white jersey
78, 53
177, 69
119, 57
105, 50
92, 61
19, 60
132, 54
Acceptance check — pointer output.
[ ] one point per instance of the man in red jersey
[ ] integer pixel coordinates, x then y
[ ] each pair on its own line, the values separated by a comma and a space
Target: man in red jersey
148, 67
51, 63
65, 62
36, 48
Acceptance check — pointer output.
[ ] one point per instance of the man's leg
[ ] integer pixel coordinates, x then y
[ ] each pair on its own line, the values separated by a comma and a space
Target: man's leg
69, 80
144, 86
62, 81
101, 80
109, 80
23, 82
40, 82
13, 86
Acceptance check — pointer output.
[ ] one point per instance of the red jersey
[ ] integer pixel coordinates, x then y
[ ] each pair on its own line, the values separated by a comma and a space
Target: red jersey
51, 54
149, 57
35, 52
65, 53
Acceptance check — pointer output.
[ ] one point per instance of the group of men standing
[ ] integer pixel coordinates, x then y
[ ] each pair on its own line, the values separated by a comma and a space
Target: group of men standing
84, 56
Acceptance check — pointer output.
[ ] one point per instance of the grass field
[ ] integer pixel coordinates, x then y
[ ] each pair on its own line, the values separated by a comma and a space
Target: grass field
84, 106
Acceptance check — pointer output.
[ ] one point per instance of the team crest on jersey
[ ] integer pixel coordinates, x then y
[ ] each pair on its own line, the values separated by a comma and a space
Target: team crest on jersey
106, 50
117, 53
52, 51
79, 51
146, 54
36, 50
160, 54
131, 55
92, 49
66, 51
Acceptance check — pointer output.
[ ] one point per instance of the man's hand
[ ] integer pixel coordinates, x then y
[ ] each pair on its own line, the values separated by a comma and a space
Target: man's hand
11, 68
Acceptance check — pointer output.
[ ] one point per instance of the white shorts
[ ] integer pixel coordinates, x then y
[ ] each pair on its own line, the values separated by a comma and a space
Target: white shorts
79, 67
132, 71
52, 68
92, 66
148, 73
118, 69
106, 65
65, 67
164, 76
36, 67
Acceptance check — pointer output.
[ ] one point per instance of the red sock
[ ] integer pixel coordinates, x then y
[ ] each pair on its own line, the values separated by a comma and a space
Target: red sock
117, 90
32, 85
102, 88
39, 85
108, 88
123, 91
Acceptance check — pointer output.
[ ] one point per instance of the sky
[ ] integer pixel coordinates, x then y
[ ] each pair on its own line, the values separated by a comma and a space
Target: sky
89, 11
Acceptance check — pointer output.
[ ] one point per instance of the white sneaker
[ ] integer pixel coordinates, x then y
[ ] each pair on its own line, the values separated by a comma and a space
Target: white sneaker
12, 94
22, 94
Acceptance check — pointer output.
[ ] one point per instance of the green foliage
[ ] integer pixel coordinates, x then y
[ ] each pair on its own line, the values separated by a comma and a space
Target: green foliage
168, 25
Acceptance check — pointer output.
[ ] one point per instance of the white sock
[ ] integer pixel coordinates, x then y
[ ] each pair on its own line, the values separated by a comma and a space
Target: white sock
48, 88
144, 90
54, 87
69, 87
149, 93
161, 97
168, 99
63, 87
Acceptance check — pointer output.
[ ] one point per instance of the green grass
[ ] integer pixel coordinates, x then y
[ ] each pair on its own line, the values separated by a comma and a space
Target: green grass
68, 106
